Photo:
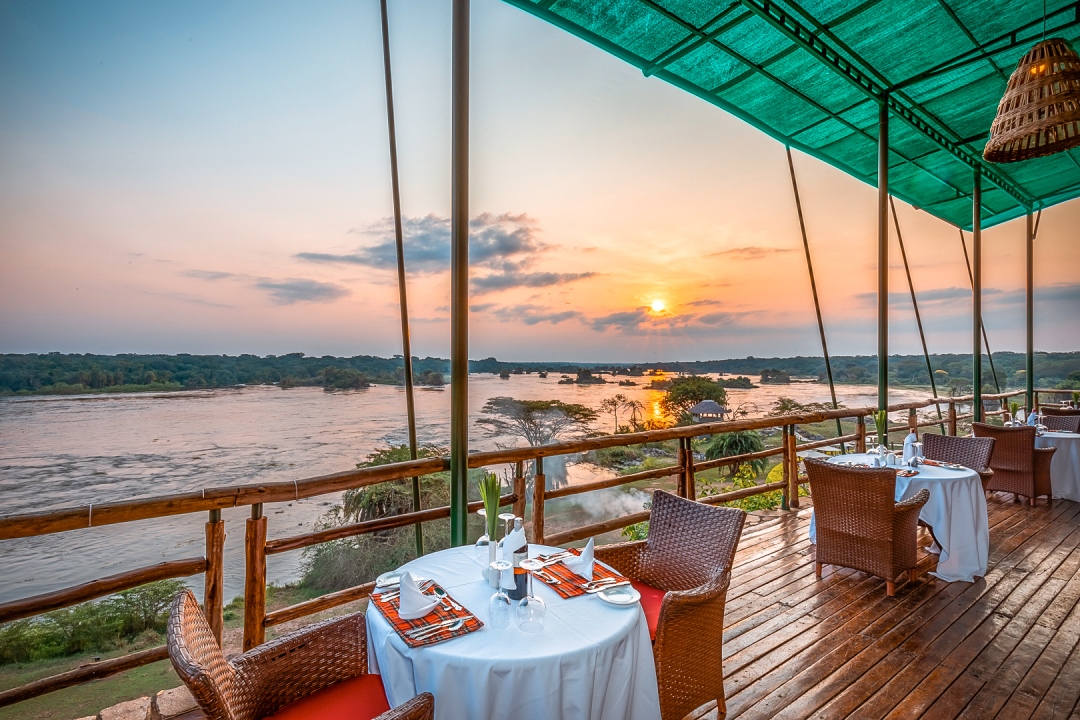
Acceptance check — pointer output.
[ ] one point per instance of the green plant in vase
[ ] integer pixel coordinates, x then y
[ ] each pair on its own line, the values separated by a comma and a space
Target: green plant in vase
1076, 399
1014, 408
881, 420
490, 488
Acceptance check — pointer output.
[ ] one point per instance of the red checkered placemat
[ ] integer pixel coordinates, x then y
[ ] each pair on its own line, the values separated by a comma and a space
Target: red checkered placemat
389, 609
570, 583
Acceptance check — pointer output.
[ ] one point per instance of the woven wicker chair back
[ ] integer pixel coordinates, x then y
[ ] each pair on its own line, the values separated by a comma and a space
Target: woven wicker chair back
1052, 410
197, 657
689, 543
1062, 423
972, 453
1014, 448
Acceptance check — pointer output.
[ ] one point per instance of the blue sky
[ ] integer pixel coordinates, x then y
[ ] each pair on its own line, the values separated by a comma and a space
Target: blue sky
213, 178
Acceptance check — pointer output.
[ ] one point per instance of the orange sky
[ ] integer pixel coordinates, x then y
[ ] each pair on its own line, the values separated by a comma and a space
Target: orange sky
214, 179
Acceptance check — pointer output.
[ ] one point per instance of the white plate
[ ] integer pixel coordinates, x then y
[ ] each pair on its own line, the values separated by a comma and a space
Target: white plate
622, 595
393, 578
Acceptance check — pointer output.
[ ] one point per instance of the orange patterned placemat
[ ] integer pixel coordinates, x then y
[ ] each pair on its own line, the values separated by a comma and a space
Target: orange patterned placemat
441, 613
570, 584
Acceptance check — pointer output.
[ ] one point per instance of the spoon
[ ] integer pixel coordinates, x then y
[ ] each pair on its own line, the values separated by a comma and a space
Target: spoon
449, 626
447, 599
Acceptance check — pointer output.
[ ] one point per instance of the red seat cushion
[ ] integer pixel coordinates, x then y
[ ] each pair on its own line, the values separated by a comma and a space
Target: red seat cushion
651, 600
359, 698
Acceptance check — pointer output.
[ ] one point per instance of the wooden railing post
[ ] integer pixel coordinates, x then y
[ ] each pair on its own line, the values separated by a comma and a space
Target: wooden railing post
214, 578
255, 579
538, 503
785, 464
913, 421
860, 432
952, 418
688, 469
519, 489
680, 474
793, 472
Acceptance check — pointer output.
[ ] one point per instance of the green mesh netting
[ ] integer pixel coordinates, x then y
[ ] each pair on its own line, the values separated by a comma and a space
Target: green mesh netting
752, 59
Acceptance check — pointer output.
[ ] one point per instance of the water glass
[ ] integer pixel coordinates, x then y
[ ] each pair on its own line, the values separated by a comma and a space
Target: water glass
531, 609
499, 605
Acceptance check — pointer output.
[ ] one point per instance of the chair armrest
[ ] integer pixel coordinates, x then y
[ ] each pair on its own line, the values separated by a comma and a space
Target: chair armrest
421, 707
628, 558
906, 514
915, 502
300, 663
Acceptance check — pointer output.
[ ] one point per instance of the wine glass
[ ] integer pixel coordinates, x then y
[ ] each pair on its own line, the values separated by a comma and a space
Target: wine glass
499, 604
507, 518
483, 540
531, 609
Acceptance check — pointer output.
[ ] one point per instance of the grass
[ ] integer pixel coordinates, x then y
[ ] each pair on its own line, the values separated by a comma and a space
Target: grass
87, 699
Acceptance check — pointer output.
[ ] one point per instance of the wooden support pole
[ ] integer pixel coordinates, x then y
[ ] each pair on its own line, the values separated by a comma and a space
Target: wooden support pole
688, 472
680, 463
538, 503
860, 431
793, 471
952, 418
519, 489
785, 464
912, 422
214, 578
255, 579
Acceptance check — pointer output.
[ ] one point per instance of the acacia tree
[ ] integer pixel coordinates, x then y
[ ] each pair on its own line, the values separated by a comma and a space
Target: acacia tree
539, 422
613, 404
686, 392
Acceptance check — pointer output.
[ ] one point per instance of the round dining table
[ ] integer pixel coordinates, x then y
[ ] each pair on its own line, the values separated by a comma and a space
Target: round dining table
956, 512
1065, 465
592, 660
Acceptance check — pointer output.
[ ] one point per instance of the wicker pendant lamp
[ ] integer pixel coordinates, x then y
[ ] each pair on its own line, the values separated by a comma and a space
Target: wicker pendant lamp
1040, 113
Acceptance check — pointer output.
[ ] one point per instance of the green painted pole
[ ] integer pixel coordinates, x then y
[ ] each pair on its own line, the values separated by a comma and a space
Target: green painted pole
915, 304
976, 294
403, 300
459, 275
883, 261
813, 289
1029, 300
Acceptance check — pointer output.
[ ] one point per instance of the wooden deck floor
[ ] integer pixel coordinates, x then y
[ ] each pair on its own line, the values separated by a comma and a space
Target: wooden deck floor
1005, 646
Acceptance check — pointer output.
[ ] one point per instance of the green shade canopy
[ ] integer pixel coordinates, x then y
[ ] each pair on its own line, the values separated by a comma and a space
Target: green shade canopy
812, 74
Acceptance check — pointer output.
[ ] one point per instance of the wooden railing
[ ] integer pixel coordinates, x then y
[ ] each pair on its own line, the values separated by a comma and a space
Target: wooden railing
257, 547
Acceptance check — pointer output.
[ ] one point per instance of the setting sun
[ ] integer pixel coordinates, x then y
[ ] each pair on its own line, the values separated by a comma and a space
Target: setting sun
657, 306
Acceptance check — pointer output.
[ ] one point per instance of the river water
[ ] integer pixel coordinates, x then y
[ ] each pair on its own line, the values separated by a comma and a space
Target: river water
60, 451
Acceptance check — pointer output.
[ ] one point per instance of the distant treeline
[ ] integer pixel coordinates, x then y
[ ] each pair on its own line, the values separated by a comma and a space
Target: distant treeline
61, 374
57, 373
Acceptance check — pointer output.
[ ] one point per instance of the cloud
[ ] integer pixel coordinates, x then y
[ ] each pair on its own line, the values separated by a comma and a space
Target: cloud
476, 308
751, 252
720, 318
704, 302
535, 314
207, 274
622, 320
294, 290
502, 251
508, 280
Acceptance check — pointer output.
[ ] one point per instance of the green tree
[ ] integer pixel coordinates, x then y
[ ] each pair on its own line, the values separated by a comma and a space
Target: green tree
737, 443
612, 405
539, 422
686, 392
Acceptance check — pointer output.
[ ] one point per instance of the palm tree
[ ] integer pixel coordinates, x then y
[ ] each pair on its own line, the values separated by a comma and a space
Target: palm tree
612, 405
737, 443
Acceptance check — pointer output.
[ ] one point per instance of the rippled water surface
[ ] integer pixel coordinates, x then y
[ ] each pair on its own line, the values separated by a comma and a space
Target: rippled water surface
61, 451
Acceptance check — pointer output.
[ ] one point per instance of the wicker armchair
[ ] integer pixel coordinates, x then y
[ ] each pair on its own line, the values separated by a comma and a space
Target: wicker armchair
1019, 467
859, 523
684, 566
972, 453
305, 674
1062, 423
1058, 410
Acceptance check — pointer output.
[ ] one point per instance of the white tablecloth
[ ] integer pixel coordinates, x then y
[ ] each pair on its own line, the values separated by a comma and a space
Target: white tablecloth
1065, 467
956, 511
592, 660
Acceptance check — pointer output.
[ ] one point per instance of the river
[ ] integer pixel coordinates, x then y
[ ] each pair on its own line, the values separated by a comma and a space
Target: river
59, 451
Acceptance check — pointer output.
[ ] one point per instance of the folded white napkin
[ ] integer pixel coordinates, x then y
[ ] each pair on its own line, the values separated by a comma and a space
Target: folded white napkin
413, 603
583, 563
512, 542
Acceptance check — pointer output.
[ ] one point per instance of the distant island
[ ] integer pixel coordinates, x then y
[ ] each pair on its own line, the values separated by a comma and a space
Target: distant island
57, 373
